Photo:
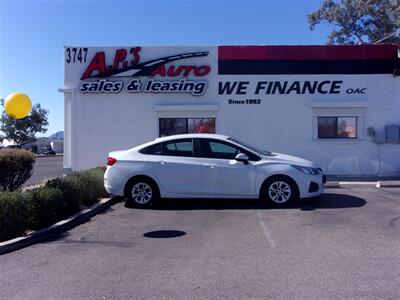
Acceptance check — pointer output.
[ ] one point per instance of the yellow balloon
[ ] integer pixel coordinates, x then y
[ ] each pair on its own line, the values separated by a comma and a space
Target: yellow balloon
17, 105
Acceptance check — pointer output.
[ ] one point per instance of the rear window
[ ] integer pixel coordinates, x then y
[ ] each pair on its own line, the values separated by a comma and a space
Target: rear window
183, 147
179, 148
155, 149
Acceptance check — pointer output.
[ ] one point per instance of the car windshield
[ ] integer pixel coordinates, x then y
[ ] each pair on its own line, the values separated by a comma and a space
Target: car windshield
255, 149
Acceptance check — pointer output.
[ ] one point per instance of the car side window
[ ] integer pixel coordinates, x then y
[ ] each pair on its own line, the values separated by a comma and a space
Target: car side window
222, 150
182, 147
217, 149
155, 149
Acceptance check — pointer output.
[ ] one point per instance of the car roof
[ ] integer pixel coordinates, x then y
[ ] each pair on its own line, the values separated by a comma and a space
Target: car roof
192, 136
182, 136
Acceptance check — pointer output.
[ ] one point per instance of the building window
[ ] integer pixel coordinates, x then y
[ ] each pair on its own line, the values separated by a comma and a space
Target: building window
337, 127
170, 126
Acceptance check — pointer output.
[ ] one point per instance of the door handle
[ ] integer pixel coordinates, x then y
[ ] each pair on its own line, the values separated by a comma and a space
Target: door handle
161, 162
212, 166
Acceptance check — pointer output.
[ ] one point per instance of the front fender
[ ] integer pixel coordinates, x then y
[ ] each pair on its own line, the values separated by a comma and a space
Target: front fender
265, 171
303, 181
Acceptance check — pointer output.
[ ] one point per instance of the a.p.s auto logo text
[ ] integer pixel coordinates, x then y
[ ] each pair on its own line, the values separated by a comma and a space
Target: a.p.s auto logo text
127, 63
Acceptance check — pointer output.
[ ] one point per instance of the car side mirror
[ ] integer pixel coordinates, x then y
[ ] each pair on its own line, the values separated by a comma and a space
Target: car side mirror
243, 158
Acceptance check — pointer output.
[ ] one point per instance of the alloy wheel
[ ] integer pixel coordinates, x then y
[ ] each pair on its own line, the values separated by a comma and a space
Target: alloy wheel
279, 192
142, 193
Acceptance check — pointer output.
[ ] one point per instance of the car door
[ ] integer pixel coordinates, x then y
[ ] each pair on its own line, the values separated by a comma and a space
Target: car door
176, 169
222, 175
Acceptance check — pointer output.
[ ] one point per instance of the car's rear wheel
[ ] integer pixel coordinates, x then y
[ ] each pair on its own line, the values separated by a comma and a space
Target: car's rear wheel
279, 191
141, 192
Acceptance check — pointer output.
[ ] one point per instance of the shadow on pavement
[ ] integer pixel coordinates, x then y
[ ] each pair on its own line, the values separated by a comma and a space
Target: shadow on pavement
164, 234
326, 201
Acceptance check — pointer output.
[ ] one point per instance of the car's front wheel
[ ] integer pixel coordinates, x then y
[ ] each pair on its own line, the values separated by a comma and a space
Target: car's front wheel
142, 192
279, 191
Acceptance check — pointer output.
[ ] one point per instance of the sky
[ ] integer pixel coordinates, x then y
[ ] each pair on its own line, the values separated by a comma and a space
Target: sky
34, 32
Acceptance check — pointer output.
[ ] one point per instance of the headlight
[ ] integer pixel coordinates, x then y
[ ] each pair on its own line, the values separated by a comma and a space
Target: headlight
308, 170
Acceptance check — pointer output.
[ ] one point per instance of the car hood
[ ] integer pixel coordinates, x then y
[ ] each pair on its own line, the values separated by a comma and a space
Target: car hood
290, 159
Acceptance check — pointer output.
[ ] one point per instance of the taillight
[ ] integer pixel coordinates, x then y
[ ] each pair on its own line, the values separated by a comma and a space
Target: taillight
111, 161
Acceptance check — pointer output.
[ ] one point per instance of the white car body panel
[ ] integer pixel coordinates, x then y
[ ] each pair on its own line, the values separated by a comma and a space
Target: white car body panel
197, 177
186, 170
222, 177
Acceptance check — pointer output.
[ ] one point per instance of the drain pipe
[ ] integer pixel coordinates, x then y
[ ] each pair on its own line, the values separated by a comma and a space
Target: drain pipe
379, 160
378, 183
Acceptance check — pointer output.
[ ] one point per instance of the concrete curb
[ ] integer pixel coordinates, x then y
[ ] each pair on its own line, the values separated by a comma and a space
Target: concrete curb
60, 227
42, 156
377, 184
35, 186
388, 184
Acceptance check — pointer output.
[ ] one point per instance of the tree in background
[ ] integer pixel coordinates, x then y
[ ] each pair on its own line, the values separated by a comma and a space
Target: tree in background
359, 21
23, 131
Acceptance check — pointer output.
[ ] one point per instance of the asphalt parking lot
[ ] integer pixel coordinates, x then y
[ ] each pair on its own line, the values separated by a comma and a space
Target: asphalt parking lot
344, 245
46, 167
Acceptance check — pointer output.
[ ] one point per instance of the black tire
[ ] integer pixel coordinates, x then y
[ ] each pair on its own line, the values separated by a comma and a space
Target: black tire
279, 191
146, 192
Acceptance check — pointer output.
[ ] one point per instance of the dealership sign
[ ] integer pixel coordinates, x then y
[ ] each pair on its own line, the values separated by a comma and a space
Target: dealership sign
287, 87
164, 74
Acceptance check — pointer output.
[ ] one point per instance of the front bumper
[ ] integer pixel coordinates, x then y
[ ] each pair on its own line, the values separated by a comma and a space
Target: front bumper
313, 186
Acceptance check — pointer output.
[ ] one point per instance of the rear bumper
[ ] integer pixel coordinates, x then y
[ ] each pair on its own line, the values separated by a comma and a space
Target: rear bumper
112, 184
112, 190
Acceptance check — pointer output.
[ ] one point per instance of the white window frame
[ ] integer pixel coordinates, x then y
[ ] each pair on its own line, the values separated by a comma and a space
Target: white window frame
187, 111
335, 109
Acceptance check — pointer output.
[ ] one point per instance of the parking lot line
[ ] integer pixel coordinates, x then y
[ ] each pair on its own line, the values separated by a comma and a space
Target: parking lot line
266, 231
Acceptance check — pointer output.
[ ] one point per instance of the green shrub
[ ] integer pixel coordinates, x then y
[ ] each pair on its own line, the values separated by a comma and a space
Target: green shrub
46, 207
80, 188
16, 167
14, 215
70, 192
90, 185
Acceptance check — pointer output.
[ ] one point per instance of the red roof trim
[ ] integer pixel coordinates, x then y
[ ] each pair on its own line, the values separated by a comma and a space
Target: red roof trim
326, 52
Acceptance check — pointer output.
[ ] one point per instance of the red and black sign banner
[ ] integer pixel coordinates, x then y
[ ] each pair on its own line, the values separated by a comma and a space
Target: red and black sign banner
338, 59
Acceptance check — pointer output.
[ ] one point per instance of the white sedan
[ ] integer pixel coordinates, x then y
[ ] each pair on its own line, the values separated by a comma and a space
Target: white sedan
209, 166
